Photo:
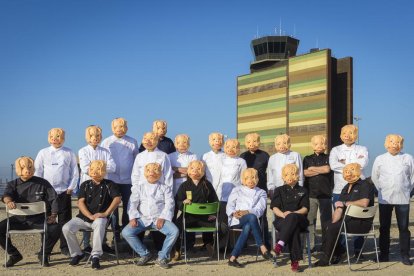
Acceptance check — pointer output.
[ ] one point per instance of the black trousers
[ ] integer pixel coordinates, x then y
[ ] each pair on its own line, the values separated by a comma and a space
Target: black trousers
289, 229
53, 231
402, 211
64, 214
194, 221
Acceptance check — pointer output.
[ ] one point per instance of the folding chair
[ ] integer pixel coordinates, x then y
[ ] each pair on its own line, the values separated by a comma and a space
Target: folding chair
362, 213
27, 209
201, 209
239, 230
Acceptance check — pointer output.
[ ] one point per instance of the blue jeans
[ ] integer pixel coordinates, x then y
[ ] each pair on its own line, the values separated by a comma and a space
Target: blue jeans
247, 222
169, 229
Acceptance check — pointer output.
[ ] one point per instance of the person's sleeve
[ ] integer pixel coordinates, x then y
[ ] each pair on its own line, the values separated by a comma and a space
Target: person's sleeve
334, 163
366, 190
168, 172
305, 163
300, 167
180, 197
411, 162
212, 195
231, 203
260, 207
243, 166
342, 194
277, 200
136, 174
10, 191
52, 198
82, 193
115, 190
363, 158
271, 184
304, 202
84, 161
375, 174
74, 172
39, 170
133, 204
110, 163
168, 211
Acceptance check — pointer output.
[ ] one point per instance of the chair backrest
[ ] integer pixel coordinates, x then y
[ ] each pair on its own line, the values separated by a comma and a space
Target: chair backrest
202, 208
361, 212
27, 209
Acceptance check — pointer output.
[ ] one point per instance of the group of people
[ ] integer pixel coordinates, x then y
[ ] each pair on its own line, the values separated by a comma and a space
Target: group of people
156, 180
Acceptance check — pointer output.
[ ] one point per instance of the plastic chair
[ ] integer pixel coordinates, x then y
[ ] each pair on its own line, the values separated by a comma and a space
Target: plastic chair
201, 209
27, 209
362, 213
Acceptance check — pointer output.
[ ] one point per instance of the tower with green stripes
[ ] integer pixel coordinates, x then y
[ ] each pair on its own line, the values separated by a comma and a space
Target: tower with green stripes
301, 95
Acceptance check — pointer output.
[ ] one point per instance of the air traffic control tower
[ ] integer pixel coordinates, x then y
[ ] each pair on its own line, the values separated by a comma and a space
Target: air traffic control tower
300, 95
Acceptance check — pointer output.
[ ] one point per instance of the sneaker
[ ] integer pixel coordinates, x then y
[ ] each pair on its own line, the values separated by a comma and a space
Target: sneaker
13, 259
235, 263
107, 249
65, 251
162, 263
45, 260
95, 263
144, 259
278, 249
406, 260
294, 266
75, 260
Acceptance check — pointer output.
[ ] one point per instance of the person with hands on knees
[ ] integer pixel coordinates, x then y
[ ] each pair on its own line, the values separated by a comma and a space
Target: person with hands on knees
290, 204
245, 206
26, 189
151, 206
97, 200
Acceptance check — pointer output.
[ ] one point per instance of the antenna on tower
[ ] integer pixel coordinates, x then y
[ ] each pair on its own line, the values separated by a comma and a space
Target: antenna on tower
280, 26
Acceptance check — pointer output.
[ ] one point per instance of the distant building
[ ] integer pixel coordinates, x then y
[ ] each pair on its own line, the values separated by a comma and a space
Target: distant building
300, 95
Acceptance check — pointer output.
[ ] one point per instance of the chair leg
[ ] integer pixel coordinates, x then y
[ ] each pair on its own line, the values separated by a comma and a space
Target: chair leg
360, 251
7, 247
218, 246
376, 250
185, 246
116, 248
347, 251
43, 253
309, 250
227, 243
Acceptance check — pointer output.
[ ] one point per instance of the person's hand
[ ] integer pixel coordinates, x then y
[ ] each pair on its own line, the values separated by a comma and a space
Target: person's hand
160, 223
243, 213
69, 191
182, 170
236, 214
187, 201
285, 214
99, 215
11, 205
211, 218
339, 204
51, 219
133, 223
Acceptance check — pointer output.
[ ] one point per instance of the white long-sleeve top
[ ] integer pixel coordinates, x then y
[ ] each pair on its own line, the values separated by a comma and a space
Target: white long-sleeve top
88, 154
180, 160
213, 163
353, 154
155, 156
243, 198
150, 202
231, 170
275, 165
393, 175
59, 167
123, 151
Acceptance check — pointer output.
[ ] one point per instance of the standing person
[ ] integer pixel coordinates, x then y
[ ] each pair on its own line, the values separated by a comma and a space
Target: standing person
26, 189
393, 176
277, 161
58, 165
87, 154
290, 204
214, 158
123, 150
319, 185
258, 159
165, 144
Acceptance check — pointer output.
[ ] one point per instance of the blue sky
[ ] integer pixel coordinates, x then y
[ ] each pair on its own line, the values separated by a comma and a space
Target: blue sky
74, 63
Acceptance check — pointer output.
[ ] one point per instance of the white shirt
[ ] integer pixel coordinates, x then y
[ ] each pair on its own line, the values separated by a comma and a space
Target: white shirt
231, 170
150, 202
243, 198
88, 154
393, 175
276, 163
59, 167
353, 154
213, 163
180, 160
123, 151
155, 156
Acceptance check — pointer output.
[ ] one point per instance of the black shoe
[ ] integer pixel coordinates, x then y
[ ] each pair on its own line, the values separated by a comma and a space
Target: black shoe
406, 260
382, 258
45, 260
87, 249
65, 251
235, 263
107, 249
95, 263
13, 259
267, 255
337, 258
75, 260
144, 259
321, 263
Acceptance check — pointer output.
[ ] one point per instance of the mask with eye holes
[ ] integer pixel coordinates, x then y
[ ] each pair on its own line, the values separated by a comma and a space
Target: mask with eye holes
352, 172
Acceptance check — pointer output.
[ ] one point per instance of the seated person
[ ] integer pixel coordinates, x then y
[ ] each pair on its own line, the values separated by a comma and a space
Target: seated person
290, 204
25, 189
98, 198
246, 204
151, 206
196, 189
357, 192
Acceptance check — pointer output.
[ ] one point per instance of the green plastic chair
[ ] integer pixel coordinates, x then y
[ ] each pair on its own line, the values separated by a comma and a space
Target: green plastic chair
201, 209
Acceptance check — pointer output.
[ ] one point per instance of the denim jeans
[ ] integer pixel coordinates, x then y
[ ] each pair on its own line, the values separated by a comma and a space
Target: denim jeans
169, 229
248, 223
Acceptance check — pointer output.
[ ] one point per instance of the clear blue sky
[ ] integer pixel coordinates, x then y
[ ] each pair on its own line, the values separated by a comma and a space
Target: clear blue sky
74, 63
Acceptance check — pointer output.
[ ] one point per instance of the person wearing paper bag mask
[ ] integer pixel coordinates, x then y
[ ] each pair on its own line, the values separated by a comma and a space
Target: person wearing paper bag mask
58, 165
214, 158
393, 176
165, 144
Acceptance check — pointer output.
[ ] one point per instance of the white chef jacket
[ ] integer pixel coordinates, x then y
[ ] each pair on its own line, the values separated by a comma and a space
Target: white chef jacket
353, 154
150, 202
213, 163
156, 156
123, 151
243, 198
180, 160
393, 176
276, 163
231, 170
59, 167
88, 154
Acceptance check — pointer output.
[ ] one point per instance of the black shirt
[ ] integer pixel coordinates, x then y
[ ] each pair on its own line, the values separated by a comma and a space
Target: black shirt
258, 160
165, 144
98, 197
201, 193
361, 189
33, 190
319, 186
288, 198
